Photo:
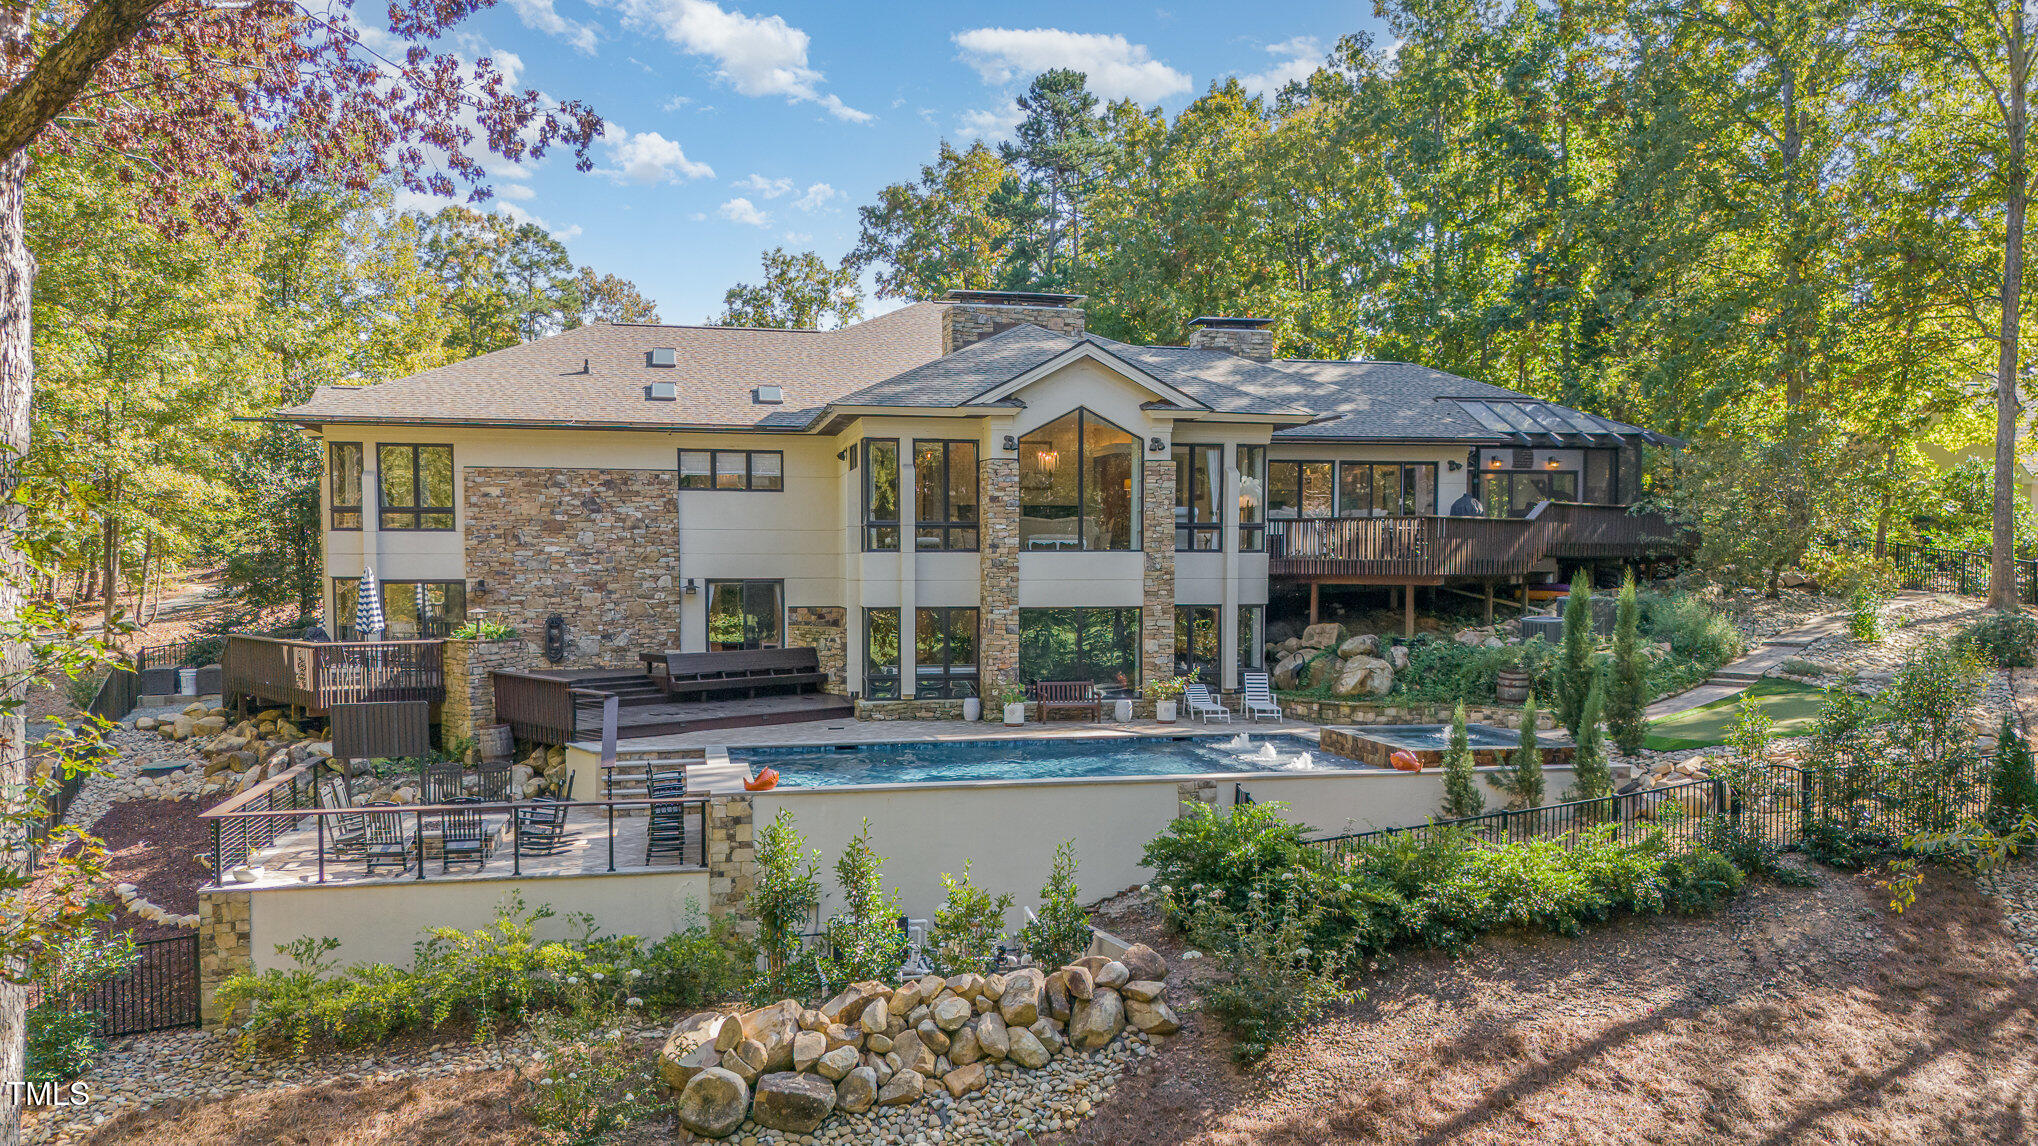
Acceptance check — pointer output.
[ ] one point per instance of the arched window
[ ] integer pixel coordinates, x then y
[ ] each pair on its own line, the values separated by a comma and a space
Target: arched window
1078, 485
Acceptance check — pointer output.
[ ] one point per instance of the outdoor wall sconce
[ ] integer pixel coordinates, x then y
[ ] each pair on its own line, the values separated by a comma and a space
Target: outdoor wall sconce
480, 586
1156, 446
1011, 442
691, 588
1455, 466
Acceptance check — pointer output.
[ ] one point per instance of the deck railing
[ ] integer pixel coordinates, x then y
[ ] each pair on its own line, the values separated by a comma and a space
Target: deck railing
321, 674
1430, 547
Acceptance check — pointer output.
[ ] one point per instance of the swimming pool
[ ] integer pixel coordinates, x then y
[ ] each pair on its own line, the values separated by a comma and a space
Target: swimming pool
953, 761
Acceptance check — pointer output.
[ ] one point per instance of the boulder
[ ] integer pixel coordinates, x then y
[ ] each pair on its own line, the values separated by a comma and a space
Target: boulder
812, 1020
1096, 1021
963, 1048
841, 1036
728, 1036
1365, 644
774, 1026
714, 1103
1113, 975
194, 710
689, 1049
1144, 962
1324, 670
837, 1063
857, 1092
967, 985
208, 726
1398, 657
792, 1102
145, 723
1142, 991
992, 1035
951, 1012
1020, 1004
933, 1037
913, 1054
808, 1047
1049, 1036
746, 1061
875, 1017
1155, 1018
181, 728
904, 1087
1287, 668
965, 1079
1365, 676
848, 1006
1026, 1049
1057, 992
1323, 635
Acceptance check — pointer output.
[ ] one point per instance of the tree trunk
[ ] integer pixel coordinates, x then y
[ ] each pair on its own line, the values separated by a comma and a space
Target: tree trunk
109, 558
2002, 582
17, 274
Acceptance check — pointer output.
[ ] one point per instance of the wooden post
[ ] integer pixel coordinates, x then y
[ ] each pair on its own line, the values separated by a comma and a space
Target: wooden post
1524, 596
1312, 602
1408, 611
1489, 603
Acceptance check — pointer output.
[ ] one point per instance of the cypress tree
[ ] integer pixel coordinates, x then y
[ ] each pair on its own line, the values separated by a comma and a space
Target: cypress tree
1630, 692
2012, 789
1461, 796
1523, 780
1591, 778
1574, 662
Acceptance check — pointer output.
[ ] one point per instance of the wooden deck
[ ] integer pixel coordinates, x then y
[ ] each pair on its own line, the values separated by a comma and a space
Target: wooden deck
566, 705
317, 675
1432, 550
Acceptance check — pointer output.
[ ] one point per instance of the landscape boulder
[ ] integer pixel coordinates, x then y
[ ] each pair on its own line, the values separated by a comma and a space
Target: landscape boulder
714, 1104
793, 1102
1365, 676
857, 1092
904, 1087
1021, 1002
1143, 962
1097, 1020
1324, 635
1365, 644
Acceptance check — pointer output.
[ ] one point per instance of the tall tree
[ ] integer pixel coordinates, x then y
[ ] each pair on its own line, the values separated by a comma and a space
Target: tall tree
1059, 150
938, 234
798, 292
606, 298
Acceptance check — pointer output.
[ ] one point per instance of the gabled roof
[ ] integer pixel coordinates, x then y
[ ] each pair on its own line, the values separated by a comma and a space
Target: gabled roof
1398, 401
544, 382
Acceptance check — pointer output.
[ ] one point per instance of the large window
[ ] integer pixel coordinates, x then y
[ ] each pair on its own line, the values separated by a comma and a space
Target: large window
880, 493
1599, 476
746, 615
1252, 498
409, 608
945, 495
1078, 485
945, 649
1513, 494
1199, 490
417, 487
762, 470
1197, 655
1386, 489
881, 654
1300, 489
1252, 651
1097, 645
343, 468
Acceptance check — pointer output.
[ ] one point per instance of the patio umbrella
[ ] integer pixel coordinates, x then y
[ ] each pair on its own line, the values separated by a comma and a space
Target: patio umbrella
368, 607
424, 604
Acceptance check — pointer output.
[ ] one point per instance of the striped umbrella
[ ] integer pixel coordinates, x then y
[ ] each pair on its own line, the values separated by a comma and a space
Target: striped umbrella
424, 604
368, 607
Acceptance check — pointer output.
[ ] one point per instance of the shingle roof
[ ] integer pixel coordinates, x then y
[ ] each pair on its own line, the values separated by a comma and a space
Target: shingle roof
543, 381
1394, 401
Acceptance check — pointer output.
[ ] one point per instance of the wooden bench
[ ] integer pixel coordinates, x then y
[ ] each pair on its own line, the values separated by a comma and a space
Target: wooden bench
1074, 694
696, 676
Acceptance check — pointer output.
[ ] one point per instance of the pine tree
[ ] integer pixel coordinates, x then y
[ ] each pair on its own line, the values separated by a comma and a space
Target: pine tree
1574, 662
2012, 789
1629, 695
1591, 778
1523, 778
1461, 796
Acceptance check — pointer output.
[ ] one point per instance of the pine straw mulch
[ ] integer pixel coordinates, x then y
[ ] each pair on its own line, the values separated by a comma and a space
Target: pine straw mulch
476, 1108
1797, 1016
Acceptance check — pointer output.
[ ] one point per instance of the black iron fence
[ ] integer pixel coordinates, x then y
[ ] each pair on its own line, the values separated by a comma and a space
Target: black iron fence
1961, 571
192, 652
117, 695
60, 792
159, 993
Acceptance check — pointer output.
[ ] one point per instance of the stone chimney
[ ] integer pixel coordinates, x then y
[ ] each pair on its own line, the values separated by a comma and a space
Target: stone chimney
974, 315
1246, 337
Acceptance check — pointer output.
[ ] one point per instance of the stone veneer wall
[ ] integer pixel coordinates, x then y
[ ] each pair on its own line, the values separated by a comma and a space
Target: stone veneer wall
470, 690
1157, 610
1382, 712
823, 628
598, 547
732, 860
225, 946
909, 709
965, 322
1256, 344
998, 564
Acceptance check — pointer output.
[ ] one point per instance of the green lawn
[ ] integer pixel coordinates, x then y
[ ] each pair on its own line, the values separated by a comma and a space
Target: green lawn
1791, 705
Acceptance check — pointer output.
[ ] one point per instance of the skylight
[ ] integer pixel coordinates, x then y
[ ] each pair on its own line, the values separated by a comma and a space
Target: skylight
1522, 419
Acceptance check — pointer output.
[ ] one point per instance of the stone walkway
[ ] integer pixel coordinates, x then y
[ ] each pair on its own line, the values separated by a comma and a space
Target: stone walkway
1735, 676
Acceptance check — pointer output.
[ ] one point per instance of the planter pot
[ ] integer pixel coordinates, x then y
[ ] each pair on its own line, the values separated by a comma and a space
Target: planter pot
972, 708
1512, 687
1164, 711
1122, 709
1015, 713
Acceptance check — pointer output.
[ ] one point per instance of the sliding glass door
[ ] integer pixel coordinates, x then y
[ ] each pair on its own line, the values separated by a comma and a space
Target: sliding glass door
746, 615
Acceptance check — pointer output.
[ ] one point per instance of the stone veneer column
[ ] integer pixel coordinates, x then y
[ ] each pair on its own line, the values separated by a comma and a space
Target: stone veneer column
823, 628
225, 947
470, 685
1157, 609
732, 859
998, 564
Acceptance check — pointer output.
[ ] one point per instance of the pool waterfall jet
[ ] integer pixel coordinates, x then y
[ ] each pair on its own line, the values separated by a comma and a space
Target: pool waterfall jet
1267, 754
1239, 743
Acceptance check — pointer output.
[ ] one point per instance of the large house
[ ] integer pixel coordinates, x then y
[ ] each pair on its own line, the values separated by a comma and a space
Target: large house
956, 493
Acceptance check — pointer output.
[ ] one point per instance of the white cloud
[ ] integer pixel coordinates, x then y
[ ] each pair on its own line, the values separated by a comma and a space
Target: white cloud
675, 103
799, 237
541, 16
1300, 57
515, 191
756, 55
769, 188
741, 210
648, 157
815, 197
564, 234
992, 124
1116, 67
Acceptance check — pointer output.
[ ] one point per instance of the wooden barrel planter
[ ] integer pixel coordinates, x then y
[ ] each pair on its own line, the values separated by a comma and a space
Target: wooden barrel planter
1511, 687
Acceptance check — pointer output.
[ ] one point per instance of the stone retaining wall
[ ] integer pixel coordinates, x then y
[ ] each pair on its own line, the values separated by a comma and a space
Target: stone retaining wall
1383, 712
909, 710
225, 948
470, 690
732, 859
1157, 584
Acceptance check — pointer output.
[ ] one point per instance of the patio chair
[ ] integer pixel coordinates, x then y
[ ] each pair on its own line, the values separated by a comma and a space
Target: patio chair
347, 831
384, 843
1259, 696
440, 783
665, 830
669, 783
1197, 697
541, 827
463, 838
495, 780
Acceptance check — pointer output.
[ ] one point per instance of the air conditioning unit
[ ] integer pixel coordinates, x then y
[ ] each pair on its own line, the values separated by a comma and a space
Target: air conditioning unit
767, 395
663, 391
665, 356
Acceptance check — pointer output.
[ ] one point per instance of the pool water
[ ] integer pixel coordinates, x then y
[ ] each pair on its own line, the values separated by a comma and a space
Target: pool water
1069, 758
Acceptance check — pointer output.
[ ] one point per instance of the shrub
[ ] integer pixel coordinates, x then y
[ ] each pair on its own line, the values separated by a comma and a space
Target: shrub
1798, 666
968, 926
2012, 790
596, 1081
1751, 730
1275, 981
1699, 882
1841, 572
864, 940
1627, 695
1522, 779
1864, 616
695, 966
63, 1039
783, 904
1694, 630
1461, 794
1444, 671
2006, 639
1575, 674
484, 630
1232, 853
1591, 777
1059, 933
61, 1042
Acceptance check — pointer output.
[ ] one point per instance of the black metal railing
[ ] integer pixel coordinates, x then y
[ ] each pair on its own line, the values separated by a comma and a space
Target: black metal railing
117, 695
1964, 572
58, 796
192, 652
159, 992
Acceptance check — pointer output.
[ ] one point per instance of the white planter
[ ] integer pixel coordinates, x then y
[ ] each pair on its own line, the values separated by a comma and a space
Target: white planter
1015, 713
1123, 710
1164, 711
972, 708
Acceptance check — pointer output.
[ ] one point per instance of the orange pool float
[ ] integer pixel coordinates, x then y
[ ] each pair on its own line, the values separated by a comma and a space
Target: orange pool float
1405, 760
765, 780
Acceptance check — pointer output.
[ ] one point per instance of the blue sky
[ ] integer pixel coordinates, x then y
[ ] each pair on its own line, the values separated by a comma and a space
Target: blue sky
733, 127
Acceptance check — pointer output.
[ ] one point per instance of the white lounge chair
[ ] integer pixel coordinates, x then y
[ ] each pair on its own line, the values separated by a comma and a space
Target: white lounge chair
1259, 697
1200, 704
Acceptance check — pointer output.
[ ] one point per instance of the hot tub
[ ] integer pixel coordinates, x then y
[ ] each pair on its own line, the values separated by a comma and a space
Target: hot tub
1375, 743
